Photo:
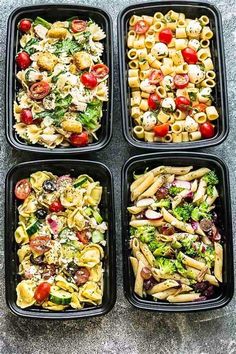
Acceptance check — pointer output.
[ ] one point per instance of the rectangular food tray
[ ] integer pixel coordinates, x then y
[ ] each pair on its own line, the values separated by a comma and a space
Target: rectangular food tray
56, 12
99, 172
138, 164
192, 9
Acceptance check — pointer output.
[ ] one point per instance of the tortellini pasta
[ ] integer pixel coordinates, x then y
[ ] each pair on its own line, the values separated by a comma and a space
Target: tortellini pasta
61, 235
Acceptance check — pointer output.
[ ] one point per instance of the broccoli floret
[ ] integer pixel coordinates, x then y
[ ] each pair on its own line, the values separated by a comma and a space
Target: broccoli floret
145, 233
162, 249
183, 271
208, 256
201, 212
211, 178
176, 245
163, 203
132, 231
167, 266
183, 212
173, 191
210, 190
153, 245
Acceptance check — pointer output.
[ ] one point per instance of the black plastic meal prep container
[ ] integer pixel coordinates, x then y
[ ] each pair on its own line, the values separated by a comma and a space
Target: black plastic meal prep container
98, 172
56, 12
138, 164
192, 9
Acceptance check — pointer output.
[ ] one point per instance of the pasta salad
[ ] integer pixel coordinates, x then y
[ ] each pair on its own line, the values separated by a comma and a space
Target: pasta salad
60, 235
176, 248
171, 77
63, 82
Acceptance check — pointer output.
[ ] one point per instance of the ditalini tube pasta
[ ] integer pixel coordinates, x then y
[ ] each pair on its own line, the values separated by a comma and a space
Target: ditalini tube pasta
170, 65
176, 250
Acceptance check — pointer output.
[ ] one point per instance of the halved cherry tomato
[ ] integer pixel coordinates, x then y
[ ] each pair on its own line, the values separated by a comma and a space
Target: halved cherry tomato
207, 130
23, 60
56, 206
26, 116
190, 55
100, 70
161, 130
200, 107
78, 26
79, 139
165, 36
155, 77
89, 80
81, 276
141, 27
181, 81
22, 189
153, 101
81, 235
39, 90
42, 291
182, 103
39, 244
24, 25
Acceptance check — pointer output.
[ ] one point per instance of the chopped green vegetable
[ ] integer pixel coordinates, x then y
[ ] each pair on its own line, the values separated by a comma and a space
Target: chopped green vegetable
167, 266
56, 77
211, 178
163, 249
163, 203
29, 46
145, 233
41, 21
173, 191
183, 212
68, 46
201, 212
183, 271
208, 255
210, 190
90, 118
97, 236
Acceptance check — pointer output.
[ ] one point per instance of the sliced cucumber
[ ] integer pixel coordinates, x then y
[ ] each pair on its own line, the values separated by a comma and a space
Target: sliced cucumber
60, 297
79, 182
97, 217
97, 236
33, 227
89, 211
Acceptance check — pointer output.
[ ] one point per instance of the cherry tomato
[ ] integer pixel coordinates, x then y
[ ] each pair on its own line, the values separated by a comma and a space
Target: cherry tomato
26, 116
24, 25
165, 36
22, 189
161, 130
190, 55
99, 71
89, 80
81, 235
200, 107
153, 101
207, 130
39, 244
81, 276
78, 25
141, 27
181, 81
155, 77
42, 291
56, 206
39, 90
182, 103
23, 60
79, 139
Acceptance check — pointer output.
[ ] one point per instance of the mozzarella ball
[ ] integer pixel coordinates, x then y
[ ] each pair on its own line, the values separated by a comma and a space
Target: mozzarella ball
168, 104
195, 74
190, 125
204, 93
193, 29
159, 50
149, 121
194, 44
147, 87
168, 82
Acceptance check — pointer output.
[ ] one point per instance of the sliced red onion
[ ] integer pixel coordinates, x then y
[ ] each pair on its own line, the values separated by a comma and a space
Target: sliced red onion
189, 196
153, 215
181, 184
53, 224
194, 224
144, 202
